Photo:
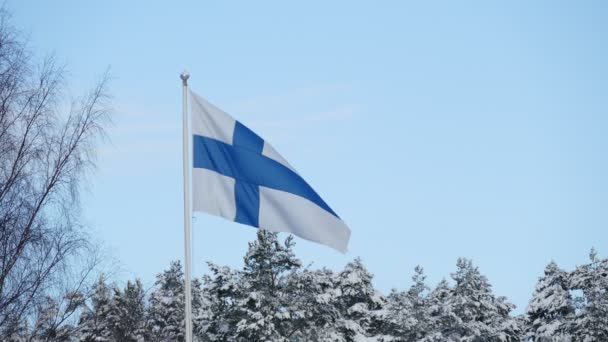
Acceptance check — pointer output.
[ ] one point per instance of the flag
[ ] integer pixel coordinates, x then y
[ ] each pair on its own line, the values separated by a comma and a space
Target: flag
239, 176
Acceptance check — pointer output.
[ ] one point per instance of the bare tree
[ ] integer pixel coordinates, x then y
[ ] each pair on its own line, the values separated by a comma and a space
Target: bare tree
44, 156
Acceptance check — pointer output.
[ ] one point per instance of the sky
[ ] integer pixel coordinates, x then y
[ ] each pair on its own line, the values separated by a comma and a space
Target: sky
435, 129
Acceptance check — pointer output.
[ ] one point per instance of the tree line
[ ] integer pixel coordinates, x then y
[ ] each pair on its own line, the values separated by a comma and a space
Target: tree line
274, 298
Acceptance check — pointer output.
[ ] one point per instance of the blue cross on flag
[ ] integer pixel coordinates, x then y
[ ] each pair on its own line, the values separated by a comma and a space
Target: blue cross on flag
239, 176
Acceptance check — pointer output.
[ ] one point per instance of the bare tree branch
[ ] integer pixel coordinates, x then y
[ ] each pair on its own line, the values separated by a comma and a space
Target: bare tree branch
44, 156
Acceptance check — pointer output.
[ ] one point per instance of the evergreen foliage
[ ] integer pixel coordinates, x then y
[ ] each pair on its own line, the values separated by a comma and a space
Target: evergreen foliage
127, 316
94, 322
273, 298
166, 309
408, 315
551, 309
591, 280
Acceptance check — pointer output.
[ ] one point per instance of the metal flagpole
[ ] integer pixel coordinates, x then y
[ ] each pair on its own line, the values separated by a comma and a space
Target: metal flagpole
187, 215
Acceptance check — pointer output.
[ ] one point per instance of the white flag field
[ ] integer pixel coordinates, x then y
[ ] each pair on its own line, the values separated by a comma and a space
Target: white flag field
239, 176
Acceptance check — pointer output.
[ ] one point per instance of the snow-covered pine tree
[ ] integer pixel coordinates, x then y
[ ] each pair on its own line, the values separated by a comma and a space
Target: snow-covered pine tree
127, 314
591, 323
217, 317
408, 313
262, 300
442, 318
312, 305
94, 325
418, 297
397, 315
166, 307
550, 313
200, 310
483, 317
359, 304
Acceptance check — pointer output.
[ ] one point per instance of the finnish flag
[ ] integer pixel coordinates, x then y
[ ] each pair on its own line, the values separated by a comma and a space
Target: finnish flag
239, 176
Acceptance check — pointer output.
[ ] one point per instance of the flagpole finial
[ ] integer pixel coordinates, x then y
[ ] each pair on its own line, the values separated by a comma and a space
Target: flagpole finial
185, 76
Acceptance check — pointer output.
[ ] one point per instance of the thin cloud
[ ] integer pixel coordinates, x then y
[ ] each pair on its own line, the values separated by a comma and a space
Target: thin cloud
287, 98
340, 114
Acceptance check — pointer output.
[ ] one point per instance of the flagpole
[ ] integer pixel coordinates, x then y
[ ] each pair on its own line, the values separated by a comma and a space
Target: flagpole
187, 215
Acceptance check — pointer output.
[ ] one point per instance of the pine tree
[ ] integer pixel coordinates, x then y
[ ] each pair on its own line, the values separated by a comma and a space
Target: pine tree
591, 323
551, 310
397, 318
127, 314
218, 316
94, 325
408, 311
484, 317
166, 310
469, 311
262, 300
313, 306
359, 303
442, 318
200, 309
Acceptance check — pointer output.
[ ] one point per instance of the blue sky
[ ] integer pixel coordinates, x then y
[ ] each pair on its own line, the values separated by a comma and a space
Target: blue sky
435, 129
